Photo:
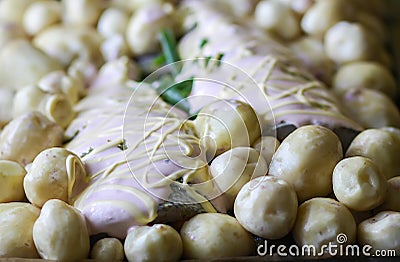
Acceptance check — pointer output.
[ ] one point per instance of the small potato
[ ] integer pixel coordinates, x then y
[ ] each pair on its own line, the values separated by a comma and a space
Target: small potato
113, 21
364, 74
358, 183
324, 14
267, 207
392, 202
215, 235
153, 243
144, 27
56, 107
278, 18
226, 124
23, 64
306, 159
66, 43
11, 181
320, 221
381, 232
381, 146
16, 223
53, 174
108, 249
344, 49
267, 146
40, 15
59, 82
82, 12
60, 232
13, 10
310, 51
25, 136
234, 168
370, 108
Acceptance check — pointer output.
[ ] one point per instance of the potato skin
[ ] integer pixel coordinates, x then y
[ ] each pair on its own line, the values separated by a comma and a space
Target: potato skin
156, 243
60, 232
215, 235
11, 181
358, 183
52, 175
381, 146
381, 232
108, 249
320, 220
25, 136
306, 159
16, 223
267, 207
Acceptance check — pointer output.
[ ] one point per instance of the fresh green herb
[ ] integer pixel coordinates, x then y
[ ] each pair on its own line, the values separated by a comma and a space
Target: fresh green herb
207, 60
85, 153
176, 93
159, 60
203, 43
170, 90
169, 49
219, 58
122, 146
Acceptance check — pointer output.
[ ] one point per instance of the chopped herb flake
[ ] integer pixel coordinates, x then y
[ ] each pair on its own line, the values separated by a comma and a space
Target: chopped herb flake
203, 43
85, 153
122, 146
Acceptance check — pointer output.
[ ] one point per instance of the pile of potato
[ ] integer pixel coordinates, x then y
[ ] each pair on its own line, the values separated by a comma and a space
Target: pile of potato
51, 52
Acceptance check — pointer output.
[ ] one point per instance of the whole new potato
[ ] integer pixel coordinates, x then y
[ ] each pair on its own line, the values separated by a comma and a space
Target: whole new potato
371, 108
25, 136
381, 146
215, 235
108, 249
153, 243
381, 232
358, 183
16, 223
306, 159
267, 207
234, 168
53, 174
60, 232
225, 124
320, 221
